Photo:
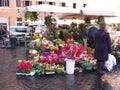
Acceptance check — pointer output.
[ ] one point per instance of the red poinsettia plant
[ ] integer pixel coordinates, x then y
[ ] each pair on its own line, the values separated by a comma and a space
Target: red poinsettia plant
72, 51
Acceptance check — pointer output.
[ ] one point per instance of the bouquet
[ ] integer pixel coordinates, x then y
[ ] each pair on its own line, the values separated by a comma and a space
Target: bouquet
72, 51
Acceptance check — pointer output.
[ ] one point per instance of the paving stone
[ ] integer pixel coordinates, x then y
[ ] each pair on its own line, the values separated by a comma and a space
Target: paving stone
79, 81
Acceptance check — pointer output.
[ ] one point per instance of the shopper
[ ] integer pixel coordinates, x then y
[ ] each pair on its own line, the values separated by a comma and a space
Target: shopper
102, 47
75, 35
85, 35
61, 35
91, 33
2, 32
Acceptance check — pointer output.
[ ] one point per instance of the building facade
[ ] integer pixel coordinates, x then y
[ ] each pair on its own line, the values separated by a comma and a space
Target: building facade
10, 9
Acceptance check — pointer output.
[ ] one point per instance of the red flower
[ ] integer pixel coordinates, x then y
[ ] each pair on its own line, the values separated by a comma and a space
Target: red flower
24, 65
72, 51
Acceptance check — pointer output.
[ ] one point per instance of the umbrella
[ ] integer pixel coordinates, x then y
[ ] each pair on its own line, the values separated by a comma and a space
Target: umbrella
76, 16
94, 13
98, 12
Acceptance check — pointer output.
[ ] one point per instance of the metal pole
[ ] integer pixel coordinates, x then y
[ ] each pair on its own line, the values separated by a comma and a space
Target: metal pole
9, 22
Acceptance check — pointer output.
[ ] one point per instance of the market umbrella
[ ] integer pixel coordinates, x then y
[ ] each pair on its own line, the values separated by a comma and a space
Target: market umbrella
98, 11
94, 13
75, 16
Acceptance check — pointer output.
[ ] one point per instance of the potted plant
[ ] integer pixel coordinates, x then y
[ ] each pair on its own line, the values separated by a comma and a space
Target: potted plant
49, 59
25, 68
71, 52
59, 69
87, 61
31, 15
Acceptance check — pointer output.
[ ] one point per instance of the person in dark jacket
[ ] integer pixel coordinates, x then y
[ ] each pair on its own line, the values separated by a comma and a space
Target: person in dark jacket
75, 35
102, 47
85, 35
61, 35
91, 33
2, 32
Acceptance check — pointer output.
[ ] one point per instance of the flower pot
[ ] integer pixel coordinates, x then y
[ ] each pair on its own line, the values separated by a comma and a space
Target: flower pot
32, 73
70, 66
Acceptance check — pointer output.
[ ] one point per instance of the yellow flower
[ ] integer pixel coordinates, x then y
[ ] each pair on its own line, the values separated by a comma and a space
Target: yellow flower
58, 65
24, 60
30, 51
41, 57
47, 65
35, 57
87, 59
19, 61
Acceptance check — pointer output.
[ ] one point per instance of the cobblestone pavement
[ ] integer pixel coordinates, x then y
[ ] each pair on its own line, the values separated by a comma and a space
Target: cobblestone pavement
78, 81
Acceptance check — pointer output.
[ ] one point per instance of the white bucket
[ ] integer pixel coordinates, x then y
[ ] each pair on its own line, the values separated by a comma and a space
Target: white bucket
70, 66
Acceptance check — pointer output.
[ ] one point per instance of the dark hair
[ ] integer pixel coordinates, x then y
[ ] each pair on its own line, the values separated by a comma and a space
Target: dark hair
102, 25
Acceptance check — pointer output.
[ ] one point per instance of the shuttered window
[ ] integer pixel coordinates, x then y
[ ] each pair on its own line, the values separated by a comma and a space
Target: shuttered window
18, 3
27, 3
4, 3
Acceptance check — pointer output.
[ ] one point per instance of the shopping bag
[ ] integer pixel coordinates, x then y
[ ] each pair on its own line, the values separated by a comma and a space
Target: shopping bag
110, 63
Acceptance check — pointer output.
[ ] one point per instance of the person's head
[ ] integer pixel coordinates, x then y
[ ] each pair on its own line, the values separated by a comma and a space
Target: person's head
86, 26
103, 26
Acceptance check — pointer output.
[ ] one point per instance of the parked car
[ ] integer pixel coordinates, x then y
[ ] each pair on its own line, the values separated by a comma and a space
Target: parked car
19, 32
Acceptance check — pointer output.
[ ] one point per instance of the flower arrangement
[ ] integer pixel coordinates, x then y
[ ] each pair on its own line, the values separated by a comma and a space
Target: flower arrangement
72, 51
59, 41
36, 36
48, 59
59, 69
24, 67
88, 62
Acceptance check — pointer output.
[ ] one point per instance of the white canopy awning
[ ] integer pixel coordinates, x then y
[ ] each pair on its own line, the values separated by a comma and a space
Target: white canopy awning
51, 8
98, 12
92, 12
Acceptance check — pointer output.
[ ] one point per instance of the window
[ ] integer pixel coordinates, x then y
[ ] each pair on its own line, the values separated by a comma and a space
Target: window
51, 3
18, 3
4, 3
19, 21
39, 2
63, 4
27, 3
74, 5
19, 24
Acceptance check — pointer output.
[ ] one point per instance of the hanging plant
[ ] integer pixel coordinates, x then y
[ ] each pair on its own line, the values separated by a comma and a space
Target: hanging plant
31, 16
100, 19
48, 21
87, 19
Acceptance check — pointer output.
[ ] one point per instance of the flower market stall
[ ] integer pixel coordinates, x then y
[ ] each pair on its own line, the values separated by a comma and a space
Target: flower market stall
50, 57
